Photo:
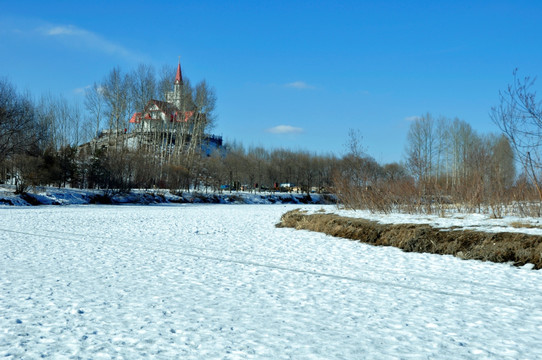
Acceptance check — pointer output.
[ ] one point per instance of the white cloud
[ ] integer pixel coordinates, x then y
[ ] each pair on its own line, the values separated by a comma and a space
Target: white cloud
63, 30
81, 90
285, 129
78, 37
412, 118
299, 85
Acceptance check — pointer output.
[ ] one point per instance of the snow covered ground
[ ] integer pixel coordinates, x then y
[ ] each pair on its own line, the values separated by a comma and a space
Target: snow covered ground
221, 282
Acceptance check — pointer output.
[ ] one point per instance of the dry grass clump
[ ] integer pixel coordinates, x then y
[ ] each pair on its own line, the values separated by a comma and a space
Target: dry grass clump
525, 225
519, 249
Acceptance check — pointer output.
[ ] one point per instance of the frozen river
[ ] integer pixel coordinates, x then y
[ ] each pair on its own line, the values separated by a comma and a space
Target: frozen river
221, 282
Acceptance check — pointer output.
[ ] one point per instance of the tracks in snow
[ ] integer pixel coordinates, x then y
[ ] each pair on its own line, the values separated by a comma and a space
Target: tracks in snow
247, 259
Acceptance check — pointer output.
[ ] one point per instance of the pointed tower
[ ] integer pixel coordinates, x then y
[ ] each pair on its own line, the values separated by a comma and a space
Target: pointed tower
178, 87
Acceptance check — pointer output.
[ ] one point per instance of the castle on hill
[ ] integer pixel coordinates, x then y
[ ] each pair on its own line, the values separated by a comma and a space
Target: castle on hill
166, 125
157, 112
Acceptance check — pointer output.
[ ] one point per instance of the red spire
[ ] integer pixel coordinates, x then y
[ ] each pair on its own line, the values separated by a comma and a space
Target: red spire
179, 76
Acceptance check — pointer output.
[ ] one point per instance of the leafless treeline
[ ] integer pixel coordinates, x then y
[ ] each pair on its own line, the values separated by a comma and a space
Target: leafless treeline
35, 137
41, 141
447, 164
53, 142
40, 144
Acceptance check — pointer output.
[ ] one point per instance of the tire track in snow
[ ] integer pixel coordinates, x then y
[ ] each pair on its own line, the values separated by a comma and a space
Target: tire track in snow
131, 245
294, 270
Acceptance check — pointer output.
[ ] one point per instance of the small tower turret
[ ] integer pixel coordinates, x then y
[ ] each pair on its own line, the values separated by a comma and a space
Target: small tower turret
178, 87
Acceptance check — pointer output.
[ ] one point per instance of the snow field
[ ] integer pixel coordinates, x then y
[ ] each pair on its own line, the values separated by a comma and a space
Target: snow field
221, 282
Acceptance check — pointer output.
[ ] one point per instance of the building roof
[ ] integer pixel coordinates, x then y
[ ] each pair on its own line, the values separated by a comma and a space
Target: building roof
164, 107
187, 116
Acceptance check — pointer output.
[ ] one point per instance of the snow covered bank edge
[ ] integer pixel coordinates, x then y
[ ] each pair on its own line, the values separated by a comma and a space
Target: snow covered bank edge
502, 247
53, 196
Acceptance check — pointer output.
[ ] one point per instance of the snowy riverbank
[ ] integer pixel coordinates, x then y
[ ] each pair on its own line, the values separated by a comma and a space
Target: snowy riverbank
63, 196
487, 244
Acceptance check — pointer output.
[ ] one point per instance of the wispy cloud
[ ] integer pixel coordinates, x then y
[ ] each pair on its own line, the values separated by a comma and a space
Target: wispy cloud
412, 118
77, 37
299, 85
285, 129
64, 30
81, 90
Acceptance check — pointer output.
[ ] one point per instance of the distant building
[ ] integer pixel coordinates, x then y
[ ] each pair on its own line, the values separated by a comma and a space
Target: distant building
158, 113
163, 124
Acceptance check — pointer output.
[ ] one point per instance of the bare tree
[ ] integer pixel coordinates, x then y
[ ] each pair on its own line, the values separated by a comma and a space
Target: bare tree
259, 157
94, 103
442, 158
235, 165
46, 116
421, 147
143, 87
462, 140
519, 116
502, 162
203, 118
394, 172
165, 82
355, 160
17, 121
115, 92
501, 173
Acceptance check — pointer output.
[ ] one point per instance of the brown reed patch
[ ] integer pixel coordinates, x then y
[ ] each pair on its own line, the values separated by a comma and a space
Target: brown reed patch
519, 249
525, 225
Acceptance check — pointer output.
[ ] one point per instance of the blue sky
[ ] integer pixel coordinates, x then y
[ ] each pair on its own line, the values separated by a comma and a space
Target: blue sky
293, 74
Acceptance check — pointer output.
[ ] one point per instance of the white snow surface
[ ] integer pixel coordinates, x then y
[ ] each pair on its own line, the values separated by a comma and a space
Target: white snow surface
221, 282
